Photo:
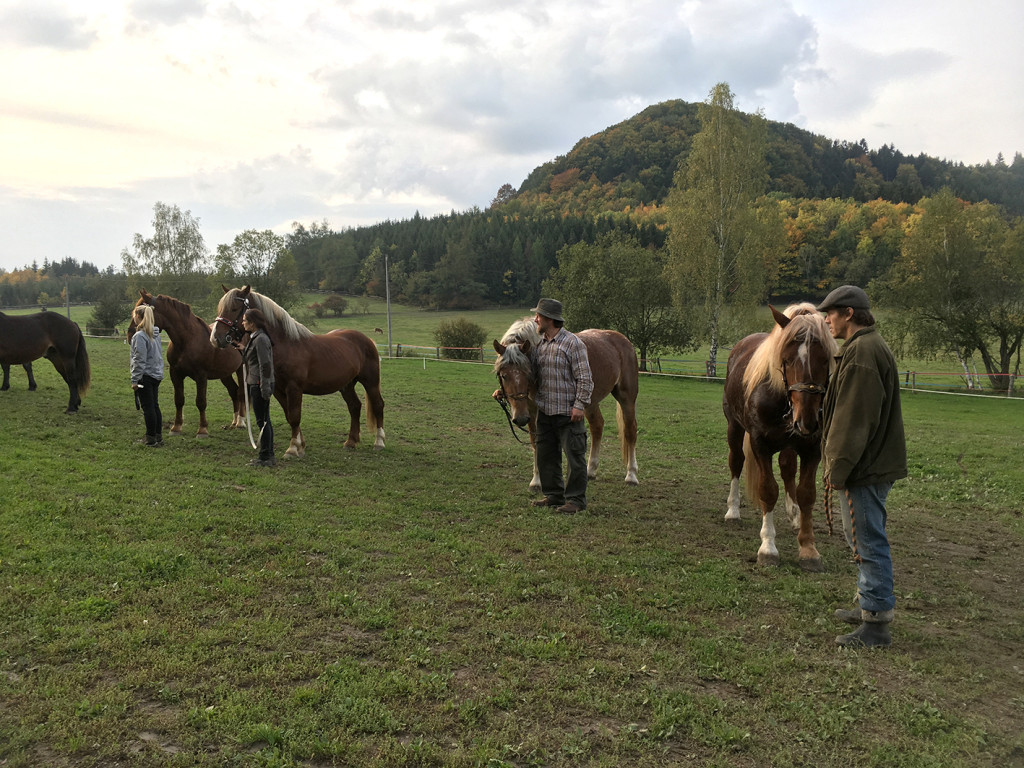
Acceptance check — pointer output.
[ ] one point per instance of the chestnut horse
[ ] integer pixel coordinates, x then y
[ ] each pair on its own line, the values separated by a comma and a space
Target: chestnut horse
24, 338
189, 355
614, 368
308, 363
774, 390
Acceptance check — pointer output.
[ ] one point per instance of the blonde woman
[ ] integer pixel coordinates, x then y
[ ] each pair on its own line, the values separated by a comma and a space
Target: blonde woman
147, 369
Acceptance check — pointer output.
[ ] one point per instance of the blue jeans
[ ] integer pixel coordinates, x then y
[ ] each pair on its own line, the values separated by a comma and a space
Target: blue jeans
556, 434
865, 533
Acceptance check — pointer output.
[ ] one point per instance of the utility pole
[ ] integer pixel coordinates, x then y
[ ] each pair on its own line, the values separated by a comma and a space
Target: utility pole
387, 294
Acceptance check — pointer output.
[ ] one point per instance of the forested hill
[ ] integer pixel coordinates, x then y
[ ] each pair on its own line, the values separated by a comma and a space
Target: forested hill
845, 206
633, 163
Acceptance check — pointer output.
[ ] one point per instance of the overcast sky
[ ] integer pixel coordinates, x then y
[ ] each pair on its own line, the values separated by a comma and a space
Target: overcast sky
253, 114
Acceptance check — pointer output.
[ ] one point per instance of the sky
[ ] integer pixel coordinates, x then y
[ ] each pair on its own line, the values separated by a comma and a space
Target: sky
255, 114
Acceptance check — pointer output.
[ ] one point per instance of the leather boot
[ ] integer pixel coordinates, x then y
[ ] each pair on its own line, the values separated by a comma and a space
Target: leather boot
872, 633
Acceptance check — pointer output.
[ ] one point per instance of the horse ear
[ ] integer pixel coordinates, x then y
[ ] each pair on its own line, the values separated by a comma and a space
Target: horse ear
499, 348
525, 347
224, 287
780, 318
246, 290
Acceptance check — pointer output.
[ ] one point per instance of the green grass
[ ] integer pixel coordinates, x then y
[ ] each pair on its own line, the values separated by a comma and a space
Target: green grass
407, 607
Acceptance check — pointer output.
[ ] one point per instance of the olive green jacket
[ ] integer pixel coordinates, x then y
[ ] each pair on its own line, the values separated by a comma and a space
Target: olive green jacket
862, 440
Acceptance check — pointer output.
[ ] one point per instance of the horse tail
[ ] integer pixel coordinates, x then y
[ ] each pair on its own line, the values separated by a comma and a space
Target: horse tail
371, 415
83, 370
752, 472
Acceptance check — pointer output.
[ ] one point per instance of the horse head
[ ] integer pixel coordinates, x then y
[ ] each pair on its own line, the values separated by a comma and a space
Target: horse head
806, 352
228, 326
515, 378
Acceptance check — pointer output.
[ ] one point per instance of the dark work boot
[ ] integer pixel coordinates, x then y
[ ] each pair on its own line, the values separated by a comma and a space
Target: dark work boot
872, 633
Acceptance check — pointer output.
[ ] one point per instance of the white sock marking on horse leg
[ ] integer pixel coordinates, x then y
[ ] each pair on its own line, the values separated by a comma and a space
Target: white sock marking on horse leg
592, 461
768, 537
631, 468
733, 512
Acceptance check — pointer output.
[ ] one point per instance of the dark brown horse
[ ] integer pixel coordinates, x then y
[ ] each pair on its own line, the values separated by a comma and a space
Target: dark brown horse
7, 377
24, 338
614, 368
774, 390
190, 355
308, 363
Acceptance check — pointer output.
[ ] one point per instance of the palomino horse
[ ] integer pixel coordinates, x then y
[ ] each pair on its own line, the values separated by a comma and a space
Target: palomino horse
7, 377
189, 354
308, 363
774, 389
24, 338
614, 368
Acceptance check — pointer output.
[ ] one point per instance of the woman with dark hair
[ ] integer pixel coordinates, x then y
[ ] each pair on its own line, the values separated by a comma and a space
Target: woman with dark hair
258, 356
147, 371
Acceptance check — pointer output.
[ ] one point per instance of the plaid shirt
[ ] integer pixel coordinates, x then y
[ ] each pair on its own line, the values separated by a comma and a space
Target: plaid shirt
563, 374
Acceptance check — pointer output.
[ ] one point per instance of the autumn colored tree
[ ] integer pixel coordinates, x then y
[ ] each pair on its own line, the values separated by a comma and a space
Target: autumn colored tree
723, 247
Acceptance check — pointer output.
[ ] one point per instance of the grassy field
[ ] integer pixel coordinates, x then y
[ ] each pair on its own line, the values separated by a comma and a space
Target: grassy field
175, 607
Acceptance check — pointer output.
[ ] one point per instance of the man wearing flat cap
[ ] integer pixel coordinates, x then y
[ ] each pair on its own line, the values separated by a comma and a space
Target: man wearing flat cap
864, 452
564, 387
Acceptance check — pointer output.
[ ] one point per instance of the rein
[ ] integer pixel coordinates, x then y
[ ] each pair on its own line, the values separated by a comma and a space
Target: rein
502, 401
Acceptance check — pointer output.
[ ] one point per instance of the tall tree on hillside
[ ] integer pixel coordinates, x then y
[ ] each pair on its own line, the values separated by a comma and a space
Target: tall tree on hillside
722, 246
172, 260
960, 277
616, 283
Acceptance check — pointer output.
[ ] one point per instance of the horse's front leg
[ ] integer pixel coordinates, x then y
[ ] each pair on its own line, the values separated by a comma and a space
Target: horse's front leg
291, 403
354, 410
204, 427
768, 494
237, 403
7, 377
178, 385
31, 378
787, 467
596, 421
734, 436
806, 493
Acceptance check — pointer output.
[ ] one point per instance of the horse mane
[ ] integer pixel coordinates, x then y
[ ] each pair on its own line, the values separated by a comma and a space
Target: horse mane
807, 326
277, 317
520, 331
181, 309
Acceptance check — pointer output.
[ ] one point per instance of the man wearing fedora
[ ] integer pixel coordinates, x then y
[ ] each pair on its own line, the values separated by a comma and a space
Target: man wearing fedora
564, 387
864, 452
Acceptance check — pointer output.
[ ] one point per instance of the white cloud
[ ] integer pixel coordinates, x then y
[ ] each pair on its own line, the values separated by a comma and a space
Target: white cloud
256, 114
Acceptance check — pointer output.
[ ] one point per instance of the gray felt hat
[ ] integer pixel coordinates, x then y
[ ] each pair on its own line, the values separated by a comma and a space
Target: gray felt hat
549, 308
846, 296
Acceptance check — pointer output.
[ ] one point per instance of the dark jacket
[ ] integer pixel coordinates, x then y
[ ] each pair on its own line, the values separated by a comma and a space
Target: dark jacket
259, 363
862, 440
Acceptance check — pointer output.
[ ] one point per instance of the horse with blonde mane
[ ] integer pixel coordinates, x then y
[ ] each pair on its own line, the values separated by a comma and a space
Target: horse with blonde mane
774, 390
613, 367
309, 363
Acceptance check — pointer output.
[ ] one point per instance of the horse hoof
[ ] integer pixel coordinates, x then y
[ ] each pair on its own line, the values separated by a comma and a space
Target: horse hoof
767, 560
201, 435
71, 411
632, 481
812, 565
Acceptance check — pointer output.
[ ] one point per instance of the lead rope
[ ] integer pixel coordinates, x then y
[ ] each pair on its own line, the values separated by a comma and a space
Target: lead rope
828, 506
248, 418
853, 527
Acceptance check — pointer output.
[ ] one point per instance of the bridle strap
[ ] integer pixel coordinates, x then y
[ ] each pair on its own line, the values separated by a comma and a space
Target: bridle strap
502, 401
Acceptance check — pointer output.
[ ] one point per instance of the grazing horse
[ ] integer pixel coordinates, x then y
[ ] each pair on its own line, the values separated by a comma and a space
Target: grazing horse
24, 338
774, 390
189, 355
308, 363
614, 368
7, 377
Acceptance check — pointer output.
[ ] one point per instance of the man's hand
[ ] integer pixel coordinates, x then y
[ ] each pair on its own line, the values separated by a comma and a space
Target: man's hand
576, 415
498, 395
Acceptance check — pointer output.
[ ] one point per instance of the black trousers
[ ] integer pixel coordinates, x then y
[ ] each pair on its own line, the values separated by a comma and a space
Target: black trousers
261, 410
149, 401
555, 435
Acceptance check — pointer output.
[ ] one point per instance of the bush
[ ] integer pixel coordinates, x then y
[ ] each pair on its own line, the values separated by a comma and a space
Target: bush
336, 304
460, 339
111, 311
